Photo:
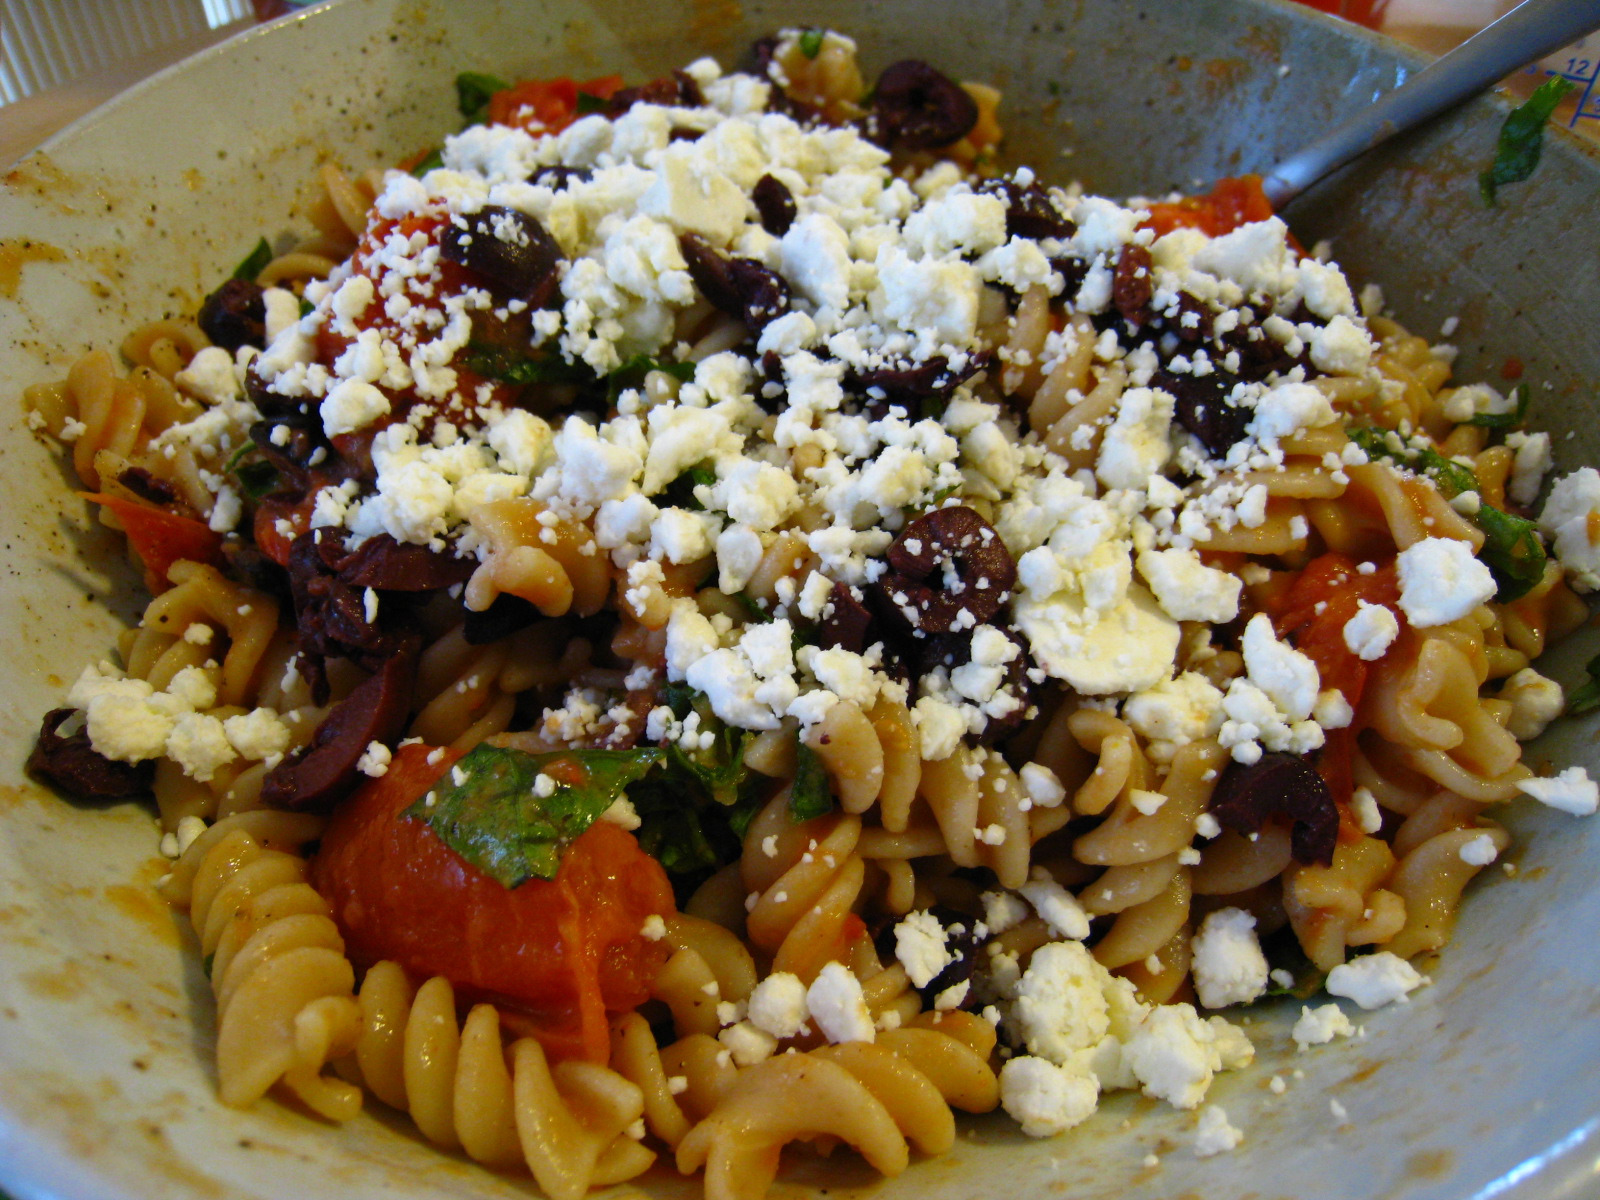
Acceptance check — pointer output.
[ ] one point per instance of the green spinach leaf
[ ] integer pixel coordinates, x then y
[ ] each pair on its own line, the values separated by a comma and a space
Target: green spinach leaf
1511, 418
809, 792
680, 492
255, 262
255, 474
631, 375
473, 90
1586, 696
718, 767
1522, 138
489, 808
433, 161
510, 366
1512, 548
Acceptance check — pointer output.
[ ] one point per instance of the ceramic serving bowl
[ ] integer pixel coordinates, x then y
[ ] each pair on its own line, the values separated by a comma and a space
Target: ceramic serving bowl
1482, 1085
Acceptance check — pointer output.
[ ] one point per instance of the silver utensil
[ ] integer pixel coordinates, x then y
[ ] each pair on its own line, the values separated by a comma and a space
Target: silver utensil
1526, 33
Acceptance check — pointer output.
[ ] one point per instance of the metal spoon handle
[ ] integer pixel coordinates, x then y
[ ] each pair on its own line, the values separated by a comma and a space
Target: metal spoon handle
1528, 32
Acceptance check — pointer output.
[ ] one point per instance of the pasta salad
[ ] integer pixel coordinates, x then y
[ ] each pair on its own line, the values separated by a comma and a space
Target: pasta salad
707, 617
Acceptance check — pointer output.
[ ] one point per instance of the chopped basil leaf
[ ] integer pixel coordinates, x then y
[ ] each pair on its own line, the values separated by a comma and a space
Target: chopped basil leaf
631, 374
752, 606
691, 840
1511, 550
811, 43
255, 474
718, 767
306, 307
488, 809
588, 104
473, 90
498, 362
1285, 956
680, 492
679, 697
1522, 138
255, 262
809, 793
433, 162
1586, 696
1509, 419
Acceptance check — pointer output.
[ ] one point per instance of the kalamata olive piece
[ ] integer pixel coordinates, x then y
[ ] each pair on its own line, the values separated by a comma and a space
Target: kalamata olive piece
915, 107
949, 570
845, 622
1192, 321
1074, 271
235, 315
932, 378
323, 772
1030, 213
143, 484
387, 564
740, 287
775, 203
1203, 409
72, 764
507, 247
678, 90
1279, 783
1132, 284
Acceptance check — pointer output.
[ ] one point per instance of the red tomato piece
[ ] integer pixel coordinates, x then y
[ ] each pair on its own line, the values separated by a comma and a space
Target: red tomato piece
272, 540
1312, 616
1316, 607
547, 105
1230, 204
161, 538
561, 953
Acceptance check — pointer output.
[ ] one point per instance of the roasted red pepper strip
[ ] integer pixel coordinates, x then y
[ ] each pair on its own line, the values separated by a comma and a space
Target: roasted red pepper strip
161, 538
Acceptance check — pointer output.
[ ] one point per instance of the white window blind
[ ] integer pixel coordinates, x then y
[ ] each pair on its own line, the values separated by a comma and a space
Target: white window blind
46, 43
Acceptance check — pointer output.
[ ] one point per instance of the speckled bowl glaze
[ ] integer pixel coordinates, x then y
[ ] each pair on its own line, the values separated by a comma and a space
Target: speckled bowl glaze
1482, 1085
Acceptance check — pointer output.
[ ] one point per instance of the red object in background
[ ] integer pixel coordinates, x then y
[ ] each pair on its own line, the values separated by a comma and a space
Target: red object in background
1362, 12
271, 10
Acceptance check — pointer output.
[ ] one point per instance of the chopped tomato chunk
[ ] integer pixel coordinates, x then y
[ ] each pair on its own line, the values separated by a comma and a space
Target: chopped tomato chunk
547, 105
1316, 608
561, 953
1312, 616
1230, 204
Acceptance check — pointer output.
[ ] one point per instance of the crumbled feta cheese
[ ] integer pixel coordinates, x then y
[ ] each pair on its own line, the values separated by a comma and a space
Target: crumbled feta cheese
1535, 703
1317, 1026
1375, 980
1569, 520
1228, 965
1214, 1134
778, 1005
1044, 1098
1441, 580
1571, 791
1371, 631
838, 1007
